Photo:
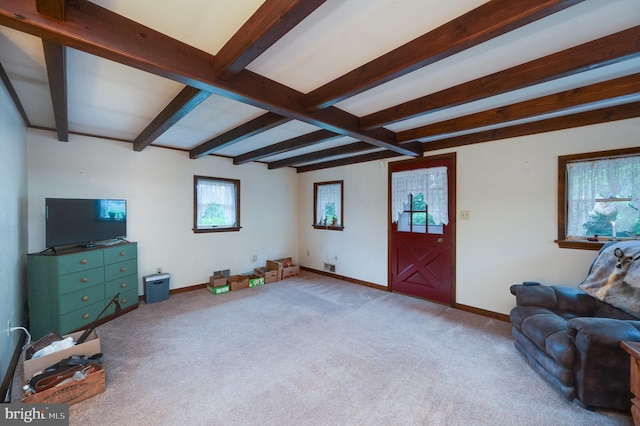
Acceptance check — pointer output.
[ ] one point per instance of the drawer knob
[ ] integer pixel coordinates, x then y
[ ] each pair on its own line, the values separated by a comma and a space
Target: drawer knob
122, 253
85, 316
123, 269
83, 262
84, 279
123, 301
123, 285
85, 298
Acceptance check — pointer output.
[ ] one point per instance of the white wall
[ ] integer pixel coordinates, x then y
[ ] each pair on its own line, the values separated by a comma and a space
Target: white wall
13, 226
510, 188
360, 250
158, 186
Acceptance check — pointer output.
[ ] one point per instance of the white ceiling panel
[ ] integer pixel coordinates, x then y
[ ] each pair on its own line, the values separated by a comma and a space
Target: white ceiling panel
205, 24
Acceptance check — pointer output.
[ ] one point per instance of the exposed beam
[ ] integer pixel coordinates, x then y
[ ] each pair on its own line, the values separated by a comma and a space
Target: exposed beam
55, 58
95, 30
285, 146
244, 131
379, 155
492, 19
603, 115
181, 105
52, 8
14, 96
266, 26
319, 155
617, 87
587, 56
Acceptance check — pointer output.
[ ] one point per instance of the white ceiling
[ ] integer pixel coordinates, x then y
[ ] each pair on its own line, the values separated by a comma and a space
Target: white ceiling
112, 100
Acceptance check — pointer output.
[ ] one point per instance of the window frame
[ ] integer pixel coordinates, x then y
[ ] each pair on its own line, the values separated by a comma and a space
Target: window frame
237, 227
315, 205
563, 203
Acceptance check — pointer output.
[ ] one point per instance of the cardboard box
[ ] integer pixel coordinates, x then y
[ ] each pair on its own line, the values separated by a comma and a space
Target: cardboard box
220, 289
255, 280
71, 392
287, 268
90, 347
238, 282
217, 280
270, 276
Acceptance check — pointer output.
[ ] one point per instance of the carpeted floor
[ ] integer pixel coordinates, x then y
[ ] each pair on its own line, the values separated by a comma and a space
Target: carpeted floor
312, 350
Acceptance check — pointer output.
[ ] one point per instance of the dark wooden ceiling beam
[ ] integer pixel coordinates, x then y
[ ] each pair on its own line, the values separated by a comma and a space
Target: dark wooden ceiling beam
244, 131
181, 105
55, 58
587, 56
603, 115
55, 9
266, 26
374, 156
288, 145
492, 19
14, 96
95, 30
319, 155
618, 87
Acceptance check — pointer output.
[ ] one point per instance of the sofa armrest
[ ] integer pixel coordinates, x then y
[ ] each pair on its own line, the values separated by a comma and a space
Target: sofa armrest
604, 331
534, 295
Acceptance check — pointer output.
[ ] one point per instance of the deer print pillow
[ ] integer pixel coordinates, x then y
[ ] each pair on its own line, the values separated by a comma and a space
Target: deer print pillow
614, 277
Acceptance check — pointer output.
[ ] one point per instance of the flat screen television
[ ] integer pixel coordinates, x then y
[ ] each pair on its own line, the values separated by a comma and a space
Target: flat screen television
84, 222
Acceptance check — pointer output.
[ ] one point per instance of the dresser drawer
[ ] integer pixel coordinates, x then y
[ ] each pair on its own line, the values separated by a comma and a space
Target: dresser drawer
79, 261
127, 299
119, 270
120, 253
80, 318
82, 279
78, 299
121, 285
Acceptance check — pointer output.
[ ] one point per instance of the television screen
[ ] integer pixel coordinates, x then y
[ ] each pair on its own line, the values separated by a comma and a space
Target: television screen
84, 221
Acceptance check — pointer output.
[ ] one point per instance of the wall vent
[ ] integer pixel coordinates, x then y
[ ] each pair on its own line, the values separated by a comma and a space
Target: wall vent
330, 267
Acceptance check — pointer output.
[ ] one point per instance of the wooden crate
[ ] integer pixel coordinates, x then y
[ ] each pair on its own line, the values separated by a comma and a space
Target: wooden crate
71, 392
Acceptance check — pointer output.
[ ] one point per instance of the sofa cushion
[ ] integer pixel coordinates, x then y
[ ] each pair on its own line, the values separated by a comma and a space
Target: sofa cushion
549, 332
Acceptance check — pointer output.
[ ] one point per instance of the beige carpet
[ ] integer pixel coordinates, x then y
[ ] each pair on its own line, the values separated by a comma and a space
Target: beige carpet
313, 350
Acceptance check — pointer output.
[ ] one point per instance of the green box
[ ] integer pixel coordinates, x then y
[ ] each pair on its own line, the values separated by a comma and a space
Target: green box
255, 280
219, 289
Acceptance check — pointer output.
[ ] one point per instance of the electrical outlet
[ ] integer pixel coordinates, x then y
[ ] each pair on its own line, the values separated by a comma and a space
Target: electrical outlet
255, 258
465, 215
8, 327
159, 269
308, 253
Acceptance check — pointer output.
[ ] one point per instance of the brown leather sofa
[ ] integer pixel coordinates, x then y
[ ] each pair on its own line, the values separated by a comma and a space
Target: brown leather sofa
572, 340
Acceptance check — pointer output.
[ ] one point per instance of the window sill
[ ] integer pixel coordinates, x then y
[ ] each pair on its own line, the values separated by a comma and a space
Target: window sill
221, 229
586, 245
329, 227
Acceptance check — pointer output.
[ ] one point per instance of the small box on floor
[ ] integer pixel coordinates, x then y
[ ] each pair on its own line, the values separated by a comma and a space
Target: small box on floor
270, 276
238, 282
218, 284
255, 280
286, 267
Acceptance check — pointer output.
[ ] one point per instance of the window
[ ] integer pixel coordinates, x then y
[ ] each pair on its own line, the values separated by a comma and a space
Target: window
328, 201
420, 200
216, 204
600, 195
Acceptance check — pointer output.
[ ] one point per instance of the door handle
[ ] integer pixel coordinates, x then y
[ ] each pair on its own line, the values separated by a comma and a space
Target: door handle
440, 240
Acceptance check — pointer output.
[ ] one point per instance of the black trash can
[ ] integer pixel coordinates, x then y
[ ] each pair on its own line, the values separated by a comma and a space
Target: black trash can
156, 288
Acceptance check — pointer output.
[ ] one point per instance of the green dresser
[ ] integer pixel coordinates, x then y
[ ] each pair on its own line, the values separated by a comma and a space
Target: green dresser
69, 289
